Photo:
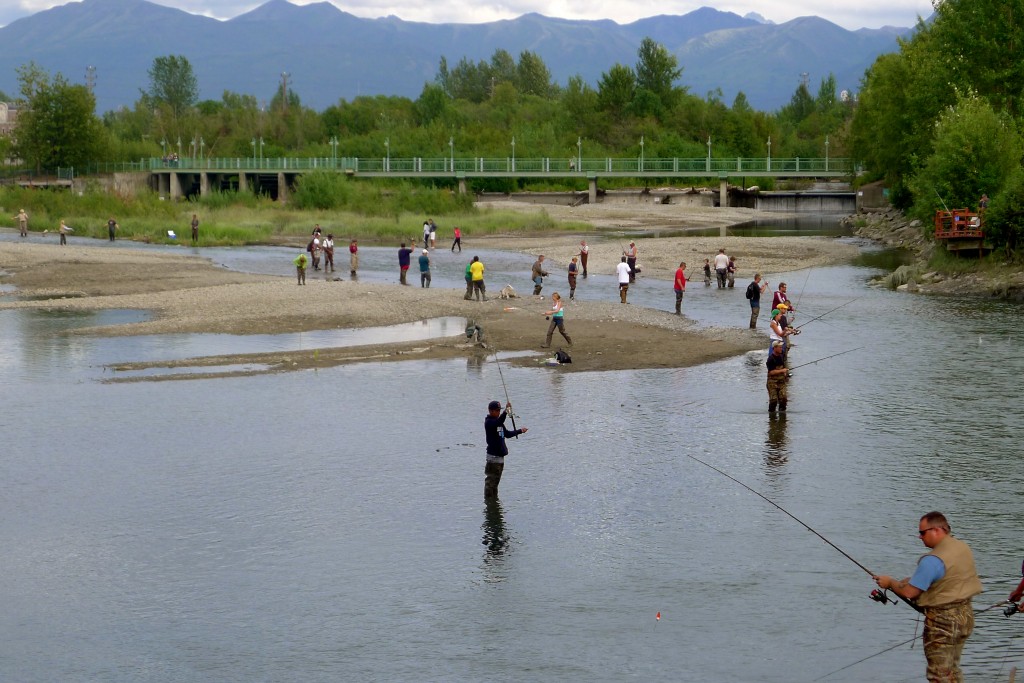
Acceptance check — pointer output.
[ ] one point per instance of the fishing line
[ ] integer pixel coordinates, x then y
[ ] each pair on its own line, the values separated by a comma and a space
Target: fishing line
798, 521
783, 510
825, 358
507, 401
827, 312
801, 294
888, 649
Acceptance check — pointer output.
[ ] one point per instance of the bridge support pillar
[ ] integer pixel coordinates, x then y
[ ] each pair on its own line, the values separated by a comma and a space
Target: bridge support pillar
204, 183
462, 186
163, 181
174, 190
723, 192
242, 187
592, 190
282, 188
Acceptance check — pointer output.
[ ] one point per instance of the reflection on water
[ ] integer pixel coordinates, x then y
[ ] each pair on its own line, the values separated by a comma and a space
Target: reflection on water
776, 452
496, 537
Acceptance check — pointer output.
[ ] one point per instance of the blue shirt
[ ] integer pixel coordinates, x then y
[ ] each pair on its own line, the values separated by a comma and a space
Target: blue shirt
929, 570
403, 257
424, 264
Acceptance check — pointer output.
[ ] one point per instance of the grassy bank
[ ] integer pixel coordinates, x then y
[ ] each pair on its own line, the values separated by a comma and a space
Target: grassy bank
385, 216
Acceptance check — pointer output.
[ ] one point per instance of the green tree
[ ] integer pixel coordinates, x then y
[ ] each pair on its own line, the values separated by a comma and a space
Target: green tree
975, 150
657, 70
431, 105
57, 125
1004, 220
615, 91
172, 84
532, 75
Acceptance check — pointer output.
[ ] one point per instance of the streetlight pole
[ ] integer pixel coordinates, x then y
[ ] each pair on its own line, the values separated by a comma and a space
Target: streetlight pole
641, 153
826, 154
387, 154
253, 143
709, 154
334, 151
451, 147
769, 166
513, 153
202, 147
179, 146
163, 146
579, 154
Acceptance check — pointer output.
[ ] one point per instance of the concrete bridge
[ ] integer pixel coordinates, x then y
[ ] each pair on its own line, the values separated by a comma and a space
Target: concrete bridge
177, 178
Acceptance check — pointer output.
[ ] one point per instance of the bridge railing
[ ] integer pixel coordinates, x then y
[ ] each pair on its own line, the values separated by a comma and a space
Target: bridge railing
412, 166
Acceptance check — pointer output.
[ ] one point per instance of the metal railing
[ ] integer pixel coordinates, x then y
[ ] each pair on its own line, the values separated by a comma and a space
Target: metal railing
494, 166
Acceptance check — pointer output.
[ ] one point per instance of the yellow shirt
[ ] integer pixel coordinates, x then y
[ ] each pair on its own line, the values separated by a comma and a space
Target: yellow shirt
476, 271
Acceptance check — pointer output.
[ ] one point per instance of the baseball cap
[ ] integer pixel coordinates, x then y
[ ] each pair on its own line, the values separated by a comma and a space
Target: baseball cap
425, 251
783, 307
494, 405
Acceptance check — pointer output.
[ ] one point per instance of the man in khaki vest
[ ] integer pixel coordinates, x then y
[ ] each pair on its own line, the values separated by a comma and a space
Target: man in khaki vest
943, 584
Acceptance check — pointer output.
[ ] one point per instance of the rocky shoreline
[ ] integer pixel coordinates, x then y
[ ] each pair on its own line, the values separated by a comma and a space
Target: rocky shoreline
894, 230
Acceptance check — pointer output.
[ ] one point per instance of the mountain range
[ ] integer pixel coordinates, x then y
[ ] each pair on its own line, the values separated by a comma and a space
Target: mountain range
330, 54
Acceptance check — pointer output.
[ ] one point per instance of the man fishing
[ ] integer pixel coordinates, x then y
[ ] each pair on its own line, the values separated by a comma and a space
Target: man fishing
494, 429
778, 378
943, 584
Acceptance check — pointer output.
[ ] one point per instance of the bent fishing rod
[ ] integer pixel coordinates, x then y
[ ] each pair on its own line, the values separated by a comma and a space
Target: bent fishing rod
507, 401
827, 312
804, 525
825, 358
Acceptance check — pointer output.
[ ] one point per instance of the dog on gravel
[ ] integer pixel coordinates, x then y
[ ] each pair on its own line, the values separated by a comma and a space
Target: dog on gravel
507, 292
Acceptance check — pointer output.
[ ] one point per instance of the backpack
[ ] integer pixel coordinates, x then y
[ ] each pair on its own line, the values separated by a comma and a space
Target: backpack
309, 247
562, 357
751, 289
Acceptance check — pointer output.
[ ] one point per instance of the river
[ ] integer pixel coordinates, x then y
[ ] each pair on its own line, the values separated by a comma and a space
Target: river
328, 525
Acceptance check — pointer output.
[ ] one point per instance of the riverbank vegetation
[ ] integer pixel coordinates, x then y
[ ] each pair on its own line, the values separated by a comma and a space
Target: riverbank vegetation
371, 214
940, 120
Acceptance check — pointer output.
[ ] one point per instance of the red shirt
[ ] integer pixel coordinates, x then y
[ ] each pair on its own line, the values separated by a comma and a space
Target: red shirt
680, 280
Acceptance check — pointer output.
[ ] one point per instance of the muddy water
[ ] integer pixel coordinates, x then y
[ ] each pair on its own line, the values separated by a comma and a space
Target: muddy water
328, 525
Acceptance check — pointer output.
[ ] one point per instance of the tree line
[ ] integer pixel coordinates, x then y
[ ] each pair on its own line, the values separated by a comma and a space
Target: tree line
940, 120
471, 109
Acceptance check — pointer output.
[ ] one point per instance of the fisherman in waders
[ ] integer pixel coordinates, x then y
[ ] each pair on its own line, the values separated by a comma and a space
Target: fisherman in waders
537, 274
778, 378
494, 429
943, 584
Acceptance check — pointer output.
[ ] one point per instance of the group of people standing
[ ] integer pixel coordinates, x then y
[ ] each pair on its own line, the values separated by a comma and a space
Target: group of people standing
318, 247
321, 247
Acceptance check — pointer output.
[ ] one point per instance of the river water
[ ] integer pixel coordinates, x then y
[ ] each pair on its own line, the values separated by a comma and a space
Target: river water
329, 525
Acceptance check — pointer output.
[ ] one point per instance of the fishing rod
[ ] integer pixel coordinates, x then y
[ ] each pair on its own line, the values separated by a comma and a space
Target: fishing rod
825, 358
940, 200
888, 649
827, 312
801, 294
507, 401
803, 524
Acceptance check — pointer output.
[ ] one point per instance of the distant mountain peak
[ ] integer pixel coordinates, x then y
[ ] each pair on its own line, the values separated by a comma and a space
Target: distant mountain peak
754, 16
336, 55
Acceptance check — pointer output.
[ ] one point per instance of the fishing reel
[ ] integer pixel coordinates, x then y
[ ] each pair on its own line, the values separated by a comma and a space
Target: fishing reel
1011, 609
881, 596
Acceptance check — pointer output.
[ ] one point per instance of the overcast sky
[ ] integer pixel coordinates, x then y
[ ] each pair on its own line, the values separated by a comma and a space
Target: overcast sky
850, 15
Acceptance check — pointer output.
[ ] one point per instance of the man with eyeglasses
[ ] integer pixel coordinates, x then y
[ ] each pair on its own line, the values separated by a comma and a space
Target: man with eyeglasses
943, 584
